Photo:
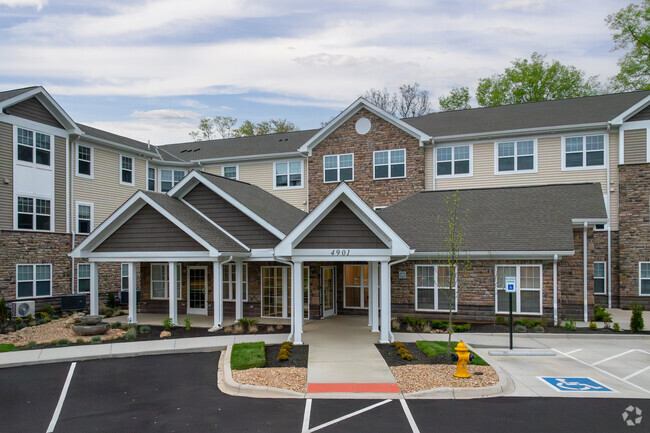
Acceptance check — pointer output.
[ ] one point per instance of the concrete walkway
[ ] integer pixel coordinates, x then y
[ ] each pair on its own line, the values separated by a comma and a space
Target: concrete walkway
342, 350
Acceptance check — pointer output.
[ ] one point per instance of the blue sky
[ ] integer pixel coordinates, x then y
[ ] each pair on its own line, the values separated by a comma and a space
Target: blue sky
150, 70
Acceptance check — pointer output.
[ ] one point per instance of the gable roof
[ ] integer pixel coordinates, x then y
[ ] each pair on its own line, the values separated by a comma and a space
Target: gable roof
8, 94
16, 96
90, 133
533, 218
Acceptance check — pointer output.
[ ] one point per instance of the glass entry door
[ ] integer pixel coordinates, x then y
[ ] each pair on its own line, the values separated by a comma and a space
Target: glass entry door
276, 291
197, 290
329, 290
355, 293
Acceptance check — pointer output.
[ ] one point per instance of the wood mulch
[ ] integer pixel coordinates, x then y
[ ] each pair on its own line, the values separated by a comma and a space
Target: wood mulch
291, 378
420, 377
298, 357
393, 359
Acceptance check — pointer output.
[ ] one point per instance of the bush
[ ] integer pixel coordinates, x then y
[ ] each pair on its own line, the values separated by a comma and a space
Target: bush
600, 315
461, 328
29, 318
188, 323
96, 339
593, 326
520, 328
18, 320
288, 345
5, 314
116, 325
538, 328
528, 323
55, 317
168, 324
616, 327
501, 320
407, 356
53, 342
48, 309
41, 322
247, 323
80, 340
439, 324
21, 325
31, 344
111, 301
570, 325
410, 320
63, 342
395, 324
109, 313
247, 355
129, 336
636, 322
144, 328
397, 344
283, 356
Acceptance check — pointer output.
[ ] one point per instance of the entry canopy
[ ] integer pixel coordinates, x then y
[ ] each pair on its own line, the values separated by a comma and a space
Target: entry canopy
342, 227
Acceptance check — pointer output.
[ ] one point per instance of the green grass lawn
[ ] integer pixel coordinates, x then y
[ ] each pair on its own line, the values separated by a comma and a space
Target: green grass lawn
8, 347
247, 355
433, 348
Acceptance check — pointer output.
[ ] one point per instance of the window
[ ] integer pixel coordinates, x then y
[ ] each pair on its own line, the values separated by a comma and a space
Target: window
33, 281
230, 281
169, 179
528, 299
151, 179
600, 285
83, 277
125, 276
288, 174
516, 156
84, 161
355, 292
33, 147
337, 168
432, 288
586, 151
84, 218
390, 164
644, 278
33, 214
126, 170
454, 160
160, 281
230, 171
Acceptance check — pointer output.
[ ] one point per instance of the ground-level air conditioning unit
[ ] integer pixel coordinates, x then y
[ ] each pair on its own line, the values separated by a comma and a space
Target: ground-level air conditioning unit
22, 308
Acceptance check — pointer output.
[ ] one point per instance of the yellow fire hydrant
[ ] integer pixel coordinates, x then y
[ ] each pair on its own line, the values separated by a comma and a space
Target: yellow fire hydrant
462, 357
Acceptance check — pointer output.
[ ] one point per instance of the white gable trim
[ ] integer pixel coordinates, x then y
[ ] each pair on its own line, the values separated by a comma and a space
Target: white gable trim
349, 112
618, 120
186, 185
343, 193
48, 102
121, 216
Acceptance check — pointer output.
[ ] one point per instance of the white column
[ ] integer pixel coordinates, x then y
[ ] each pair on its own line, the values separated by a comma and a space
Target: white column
375, 295
239, 290
297, 303
94, 289
584, 257
370, 299
173, 293
133, 300
217, 292
384, 336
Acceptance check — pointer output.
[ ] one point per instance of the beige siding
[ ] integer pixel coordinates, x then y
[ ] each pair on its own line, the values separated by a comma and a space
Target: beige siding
105, 190
261, 174
6, 172
60, 186
613, 179
428, 168
213, 169
636, 142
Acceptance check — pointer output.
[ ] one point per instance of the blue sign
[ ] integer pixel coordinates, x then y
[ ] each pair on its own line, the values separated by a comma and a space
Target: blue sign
580, 384
511, 284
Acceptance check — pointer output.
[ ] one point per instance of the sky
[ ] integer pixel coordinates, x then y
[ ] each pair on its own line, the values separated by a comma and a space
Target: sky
150, 70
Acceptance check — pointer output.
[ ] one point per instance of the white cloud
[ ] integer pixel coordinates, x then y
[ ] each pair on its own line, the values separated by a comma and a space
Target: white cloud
523, 5
148, 130
291, 102
165, 114
38, 4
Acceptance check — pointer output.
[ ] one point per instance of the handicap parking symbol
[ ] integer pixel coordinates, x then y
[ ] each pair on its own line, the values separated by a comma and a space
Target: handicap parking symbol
580, 384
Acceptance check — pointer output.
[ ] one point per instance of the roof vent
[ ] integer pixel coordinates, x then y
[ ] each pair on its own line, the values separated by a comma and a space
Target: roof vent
196, 150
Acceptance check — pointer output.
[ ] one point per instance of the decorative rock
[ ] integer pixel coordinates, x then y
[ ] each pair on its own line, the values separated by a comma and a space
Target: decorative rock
90, 320
95, 329
165, 334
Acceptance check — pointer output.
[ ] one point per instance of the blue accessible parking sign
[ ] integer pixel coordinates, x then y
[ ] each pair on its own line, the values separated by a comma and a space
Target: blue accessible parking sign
580, 384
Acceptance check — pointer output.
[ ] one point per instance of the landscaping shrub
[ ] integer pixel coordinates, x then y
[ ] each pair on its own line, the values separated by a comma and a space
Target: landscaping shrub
31, 344
48, 309
636, 322
593, 326
409, 328
528, 323
63, 342
439, 324
616, 327
5, 313
283, 356
109, 313
168, 324
53, 342
7, 347
427, 328
279, 327
41, 322
144, 328
246, 323
570, 325
433, 348
538, 328
80, 340
253, 329
501, 320
395, 324
461, 328
397, 345
410, 320
247, 355
600, 315
238, 329
116, 325
29, 318
270, 329
520, 328
55, 317
18, 320
21, 325
96, 339
188, 323
111, 301
287, 345
129, 336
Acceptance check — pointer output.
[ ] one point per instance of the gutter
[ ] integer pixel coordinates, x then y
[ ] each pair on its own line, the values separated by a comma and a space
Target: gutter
476, 255
246, 158
609, 225
119, 146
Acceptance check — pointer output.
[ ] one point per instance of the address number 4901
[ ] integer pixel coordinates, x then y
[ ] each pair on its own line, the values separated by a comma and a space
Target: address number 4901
340, 253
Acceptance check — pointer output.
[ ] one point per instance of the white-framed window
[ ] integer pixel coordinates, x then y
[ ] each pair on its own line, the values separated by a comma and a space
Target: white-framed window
83, 278
230, 171
84, 218
169, 178
159, 284
337, 168
151, 178
432, 288
600, 278
84, 161
454, 161
287, 174
587, 151
33, 281
528, 299
516, 157
355, 290
33, 147
33, 214
126, 170
644, 278
125, 276
230, 281
389, 164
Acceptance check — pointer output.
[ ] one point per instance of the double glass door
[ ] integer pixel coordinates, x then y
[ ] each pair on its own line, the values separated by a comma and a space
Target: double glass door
197, 290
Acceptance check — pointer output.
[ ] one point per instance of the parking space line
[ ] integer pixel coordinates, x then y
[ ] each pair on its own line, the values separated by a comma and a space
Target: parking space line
613, 357
305, 419
638, 372
573, 351
344, 417
59, 405
409, 417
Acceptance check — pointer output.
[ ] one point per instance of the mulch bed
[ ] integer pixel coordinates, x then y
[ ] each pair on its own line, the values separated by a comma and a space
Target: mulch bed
393, 359
492, 328
298, 357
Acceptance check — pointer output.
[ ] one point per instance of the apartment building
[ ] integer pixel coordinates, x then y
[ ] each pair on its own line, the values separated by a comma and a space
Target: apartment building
556, 194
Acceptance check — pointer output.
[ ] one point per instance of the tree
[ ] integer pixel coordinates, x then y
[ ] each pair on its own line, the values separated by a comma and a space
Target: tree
535, 80
381, 98
208, 128
452, 228
408, 101
272, 126
458, 99
632, 24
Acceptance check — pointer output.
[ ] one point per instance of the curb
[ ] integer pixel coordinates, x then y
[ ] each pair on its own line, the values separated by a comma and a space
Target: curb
560, 336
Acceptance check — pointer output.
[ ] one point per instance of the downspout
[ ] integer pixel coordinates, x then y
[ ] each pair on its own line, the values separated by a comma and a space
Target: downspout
584, 271
555, 321
390, 265
292, 315
221, 288
609, 226
433, 169
72, 211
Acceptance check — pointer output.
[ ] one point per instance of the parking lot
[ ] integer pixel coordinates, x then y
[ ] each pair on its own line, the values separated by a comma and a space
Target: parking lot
178, 393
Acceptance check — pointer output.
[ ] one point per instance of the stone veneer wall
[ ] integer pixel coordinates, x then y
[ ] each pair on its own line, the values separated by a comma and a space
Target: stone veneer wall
600, 255
382, 136
634, 230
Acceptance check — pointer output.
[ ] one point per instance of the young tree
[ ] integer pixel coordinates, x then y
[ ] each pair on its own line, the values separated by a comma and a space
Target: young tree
535, 80
632, 26
452, 228
381, 98
209, 128
458, 99
206, 130
272, 126
408, 101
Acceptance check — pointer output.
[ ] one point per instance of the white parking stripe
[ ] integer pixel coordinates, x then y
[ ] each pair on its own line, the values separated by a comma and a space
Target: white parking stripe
613, 357
638, 372
59, 405
350, 415
409, 417
573, 351
305, 419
